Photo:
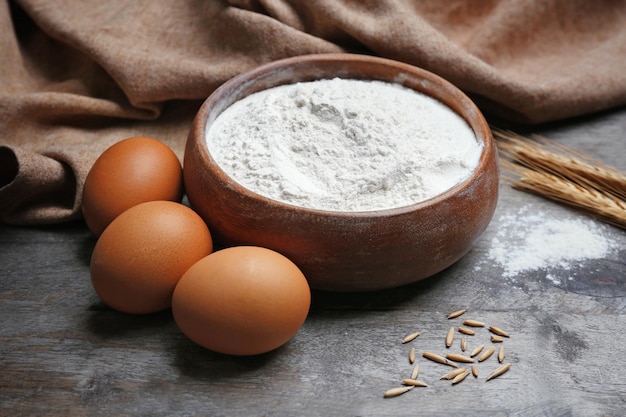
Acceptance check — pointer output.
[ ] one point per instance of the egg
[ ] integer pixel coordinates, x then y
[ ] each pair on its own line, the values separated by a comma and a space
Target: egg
141, 256
132, 171
242, 300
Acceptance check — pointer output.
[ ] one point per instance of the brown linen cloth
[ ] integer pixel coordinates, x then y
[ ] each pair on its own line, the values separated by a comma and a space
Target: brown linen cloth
77, 76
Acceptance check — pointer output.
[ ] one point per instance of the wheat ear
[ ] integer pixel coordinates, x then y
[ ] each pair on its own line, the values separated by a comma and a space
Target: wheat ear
562, 174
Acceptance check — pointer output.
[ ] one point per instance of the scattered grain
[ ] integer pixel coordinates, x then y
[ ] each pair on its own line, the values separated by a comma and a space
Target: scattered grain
473, 323
440, 359
460, 377
477, 350
498, 331
502, 369
467, 331
486, 354
450, 337
458, 374
414, 382
459, 358
415, 372
452, 374
394, 392
410, 337
456, 314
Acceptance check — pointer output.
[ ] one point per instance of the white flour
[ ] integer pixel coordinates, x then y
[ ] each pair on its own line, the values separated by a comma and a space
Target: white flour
344, 145
528, 241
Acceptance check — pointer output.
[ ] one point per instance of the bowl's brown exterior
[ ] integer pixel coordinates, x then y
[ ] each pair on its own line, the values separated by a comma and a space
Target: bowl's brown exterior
345, 251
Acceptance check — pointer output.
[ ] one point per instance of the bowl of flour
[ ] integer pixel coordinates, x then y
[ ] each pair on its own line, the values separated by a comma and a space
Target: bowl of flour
366, 172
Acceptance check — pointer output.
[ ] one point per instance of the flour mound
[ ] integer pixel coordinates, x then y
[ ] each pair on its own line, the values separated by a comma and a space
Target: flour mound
346, 145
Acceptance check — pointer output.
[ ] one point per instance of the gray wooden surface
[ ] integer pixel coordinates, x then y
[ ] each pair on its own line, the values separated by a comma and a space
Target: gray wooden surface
62, 352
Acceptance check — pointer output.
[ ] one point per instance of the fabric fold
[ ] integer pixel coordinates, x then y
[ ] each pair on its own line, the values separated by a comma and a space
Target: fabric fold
77, 76
51, 185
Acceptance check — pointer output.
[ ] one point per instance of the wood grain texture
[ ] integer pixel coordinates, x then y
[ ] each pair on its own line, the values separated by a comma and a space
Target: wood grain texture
63, 353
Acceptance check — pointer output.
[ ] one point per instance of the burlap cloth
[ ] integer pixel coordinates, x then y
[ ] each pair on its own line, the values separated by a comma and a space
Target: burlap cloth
77, 76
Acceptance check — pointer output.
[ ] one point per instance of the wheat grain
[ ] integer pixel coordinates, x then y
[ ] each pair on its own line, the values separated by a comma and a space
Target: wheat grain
410, 337
502, 369
477, 350
394, 392
486, 354
414, 382
473, 323
440, 359
415, 372
498, 331
450, 337
456, 314
452, 374
460, 377
459, 358
467, 331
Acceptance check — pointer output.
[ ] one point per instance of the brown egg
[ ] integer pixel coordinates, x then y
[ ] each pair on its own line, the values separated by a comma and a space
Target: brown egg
241, 301
141, 256
130, 172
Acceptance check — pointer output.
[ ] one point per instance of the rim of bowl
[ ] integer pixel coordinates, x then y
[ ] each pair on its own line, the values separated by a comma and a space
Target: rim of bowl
223, 96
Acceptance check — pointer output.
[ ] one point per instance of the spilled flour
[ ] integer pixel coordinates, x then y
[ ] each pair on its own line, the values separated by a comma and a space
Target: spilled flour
528, 241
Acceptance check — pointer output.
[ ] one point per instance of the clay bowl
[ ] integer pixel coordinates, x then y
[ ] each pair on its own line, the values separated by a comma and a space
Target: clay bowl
345, 251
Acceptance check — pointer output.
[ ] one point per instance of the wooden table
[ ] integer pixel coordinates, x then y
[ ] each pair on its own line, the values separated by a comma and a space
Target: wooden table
62, 352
